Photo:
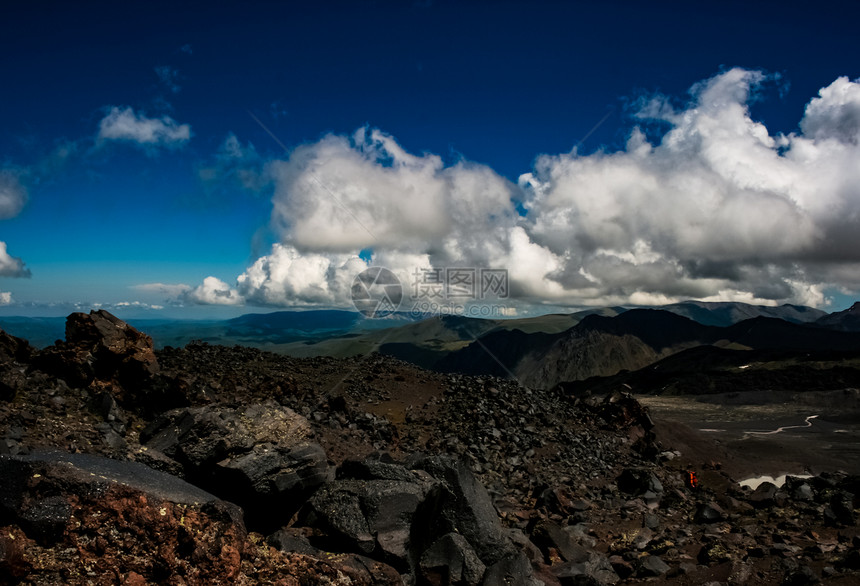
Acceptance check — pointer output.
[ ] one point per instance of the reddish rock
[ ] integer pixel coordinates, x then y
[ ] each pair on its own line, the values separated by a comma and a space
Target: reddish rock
100, 346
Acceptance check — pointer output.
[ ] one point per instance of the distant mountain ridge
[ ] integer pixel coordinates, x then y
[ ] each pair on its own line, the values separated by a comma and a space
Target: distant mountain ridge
539, 351
600, 346
847, 321
726, 313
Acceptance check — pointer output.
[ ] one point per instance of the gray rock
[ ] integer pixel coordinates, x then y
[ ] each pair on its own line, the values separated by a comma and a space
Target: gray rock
371, 516
465, 507
594, 569
452, 561
638, 481
651, 566
708, 513
513, 570
260, 456
289, 540
764, 495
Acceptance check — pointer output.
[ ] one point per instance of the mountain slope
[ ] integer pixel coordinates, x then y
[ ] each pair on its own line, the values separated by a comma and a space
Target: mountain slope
726, 313
601, 346
847, 321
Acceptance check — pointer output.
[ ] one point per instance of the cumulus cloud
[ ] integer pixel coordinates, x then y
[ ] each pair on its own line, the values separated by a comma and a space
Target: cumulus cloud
123, 124
213, 291
11, 266
5, 298
719, 208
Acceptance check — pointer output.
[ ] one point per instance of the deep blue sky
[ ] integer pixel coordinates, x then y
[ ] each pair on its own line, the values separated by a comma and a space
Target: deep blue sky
497, 83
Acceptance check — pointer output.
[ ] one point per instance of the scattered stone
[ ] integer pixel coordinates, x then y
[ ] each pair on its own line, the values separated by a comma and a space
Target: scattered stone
764, 495
651, 566
709, 513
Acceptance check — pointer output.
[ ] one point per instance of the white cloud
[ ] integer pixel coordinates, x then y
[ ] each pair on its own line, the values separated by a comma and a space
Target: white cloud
134, 304
213, 291
835, 114
5, 298
124, 124
170, 291
11, 266
343, 195
719, 209
13, 195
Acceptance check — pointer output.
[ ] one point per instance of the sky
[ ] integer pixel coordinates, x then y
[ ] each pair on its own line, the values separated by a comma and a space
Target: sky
205, 160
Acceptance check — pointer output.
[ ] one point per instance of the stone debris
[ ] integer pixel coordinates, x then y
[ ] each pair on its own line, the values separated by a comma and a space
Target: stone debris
206, 464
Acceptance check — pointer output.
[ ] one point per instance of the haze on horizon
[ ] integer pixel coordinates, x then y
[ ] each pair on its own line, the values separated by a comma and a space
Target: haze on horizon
216, 160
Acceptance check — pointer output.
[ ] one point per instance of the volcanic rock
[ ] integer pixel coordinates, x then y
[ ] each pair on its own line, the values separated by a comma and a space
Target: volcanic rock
451, 561
373, 516
14, 352
465, 506
259, 456
151, 523
764, 495
638, 482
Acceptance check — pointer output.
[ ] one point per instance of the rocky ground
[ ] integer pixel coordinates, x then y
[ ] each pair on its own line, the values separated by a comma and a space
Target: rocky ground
205, 464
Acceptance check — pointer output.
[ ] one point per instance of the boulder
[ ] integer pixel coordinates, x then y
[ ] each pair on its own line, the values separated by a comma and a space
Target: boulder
14, 349
260, 456
451, 561
548, 535
764, 495
651, 566
708, 513
638, 482
593, 568
373, 514
512, 570
465, 507
102, 349
14, 352
115, 514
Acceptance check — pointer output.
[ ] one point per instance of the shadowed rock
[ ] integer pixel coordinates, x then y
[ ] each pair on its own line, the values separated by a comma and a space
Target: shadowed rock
259, 456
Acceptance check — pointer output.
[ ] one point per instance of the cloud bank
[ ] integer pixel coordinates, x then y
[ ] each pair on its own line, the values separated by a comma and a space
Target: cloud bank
718, 209
123, 124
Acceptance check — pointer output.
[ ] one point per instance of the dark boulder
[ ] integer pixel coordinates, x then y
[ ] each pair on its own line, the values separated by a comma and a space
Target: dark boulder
116, 514
103, 351
708, 513
592, 568
840, 511
14, 349
260, 456
291, 540
638, 482
512, 570
15, 353
373, 516
651, 566
451, 561
465, 507
548, 535
764, 495
621, 411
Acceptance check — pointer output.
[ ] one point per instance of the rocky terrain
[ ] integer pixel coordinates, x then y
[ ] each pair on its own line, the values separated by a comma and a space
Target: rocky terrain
206, 464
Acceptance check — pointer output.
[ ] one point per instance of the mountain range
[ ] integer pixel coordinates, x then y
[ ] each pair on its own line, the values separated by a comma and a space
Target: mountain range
538, 351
